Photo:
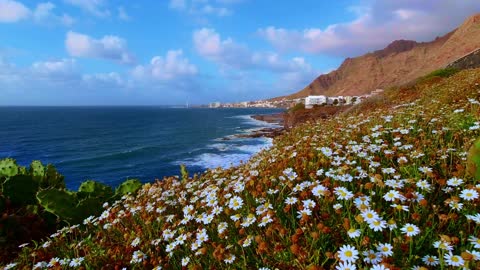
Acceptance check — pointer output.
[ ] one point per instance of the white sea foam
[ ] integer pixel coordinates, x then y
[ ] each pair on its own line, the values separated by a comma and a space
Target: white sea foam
210, 160
247, 119
235, 150
255, 148
221, 146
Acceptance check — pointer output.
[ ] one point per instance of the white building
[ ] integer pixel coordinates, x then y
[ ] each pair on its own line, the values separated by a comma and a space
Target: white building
215, 105
310, 101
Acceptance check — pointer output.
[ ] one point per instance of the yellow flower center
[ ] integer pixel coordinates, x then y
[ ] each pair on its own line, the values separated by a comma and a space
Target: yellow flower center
455, 259
348, 253
410, 229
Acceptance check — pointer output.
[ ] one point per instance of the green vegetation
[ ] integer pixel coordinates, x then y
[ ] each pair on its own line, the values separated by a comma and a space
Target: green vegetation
473, 164
34, 202
391, 184
439, 73
297, 107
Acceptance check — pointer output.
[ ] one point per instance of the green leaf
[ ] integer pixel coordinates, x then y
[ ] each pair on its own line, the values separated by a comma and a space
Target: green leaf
21, 189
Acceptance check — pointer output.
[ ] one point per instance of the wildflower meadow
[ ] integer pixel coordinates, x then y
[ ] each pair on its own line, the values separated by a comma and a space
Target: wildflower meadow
381, 186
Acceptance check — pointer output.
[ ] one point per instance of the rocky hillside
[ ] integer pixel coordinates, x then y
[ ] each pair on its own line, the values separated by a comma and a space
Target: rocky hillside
399, 63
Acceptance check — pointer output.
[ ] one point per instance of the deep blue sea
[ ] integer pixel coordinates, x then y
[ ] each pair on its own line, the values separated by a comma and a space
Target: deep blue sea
111, 144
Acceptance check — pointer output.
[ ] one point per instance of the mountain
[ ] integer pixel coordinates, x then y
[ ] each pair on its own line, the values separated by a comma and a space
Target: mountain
400, 62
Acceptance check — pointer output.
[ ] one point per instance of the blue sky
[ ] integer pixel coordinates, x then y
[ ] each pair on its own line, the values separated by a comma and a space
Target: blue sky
116, 52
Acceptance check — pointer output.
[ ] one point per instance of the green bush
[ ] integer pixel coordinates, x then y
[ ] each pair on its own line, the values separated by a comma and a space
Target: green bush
297, 107
439, 73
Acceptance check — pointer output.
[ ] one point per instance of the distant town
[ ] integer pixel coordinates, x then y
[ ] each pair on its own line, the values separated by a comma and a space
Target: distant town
309, 101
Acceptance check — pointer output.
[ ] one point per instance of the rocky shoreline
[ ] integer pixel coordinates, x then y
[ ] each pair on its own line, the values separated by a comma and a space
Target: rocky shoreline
267, 132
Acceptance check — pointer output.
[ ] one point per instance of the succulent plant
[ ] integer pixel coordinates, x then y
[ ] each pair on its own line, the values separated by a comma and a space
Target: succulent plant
93, 189
20, 189
128, 186
88, 207
53, 178
8, 167
473, 160
37, 170
184, 172
22, 170
3, 203
61, 203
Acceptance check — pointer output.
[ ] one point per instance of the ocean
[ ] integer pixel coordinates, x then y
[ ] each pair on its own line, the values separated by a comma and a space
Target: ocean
111, 144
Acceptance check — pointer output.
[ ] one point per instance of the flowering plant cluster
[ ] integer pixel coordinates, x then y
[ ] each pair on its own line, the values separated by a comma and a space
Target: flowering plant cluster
383, 186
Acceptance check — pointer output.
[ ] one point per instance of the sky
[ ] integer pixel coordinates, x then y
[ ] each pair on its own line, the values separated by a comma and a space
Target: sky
168, 52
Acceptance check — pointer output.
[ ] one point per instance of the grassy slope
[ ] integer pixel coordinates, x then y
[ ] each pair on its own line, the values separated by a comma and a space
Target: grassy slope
390, 143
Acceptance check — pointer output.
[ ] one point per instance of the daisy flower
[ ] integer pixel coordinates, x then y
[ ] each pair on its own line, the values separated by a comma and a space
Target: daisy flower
425, 169
353, 233
474, 241
453, 260
185, 261
442, 245
469, 194
10, 266
135, 242
306, 212
348, 253
235, 203
385, 249
265, 220
369, 215
345, 266
76, 262
377, 225
455, 205
370, 256
308, 204
291, 200
410, 229
475, 254
391, 195
230, 259
222, 227
454, 182
379, 267
343, 193
319, 191
430, 260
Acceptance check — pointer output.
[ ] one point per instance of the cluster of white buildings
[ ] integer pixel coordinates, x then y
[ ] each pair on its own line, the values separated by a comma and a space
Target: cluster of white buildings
309, 101
320, 100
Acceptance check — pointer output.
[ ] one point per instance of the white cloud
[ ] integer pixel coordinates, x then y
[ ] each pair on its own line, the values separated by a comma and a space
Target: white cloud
111, 78
95, 7
59, 67
240, 65
108, 47
228, 53
376, 25
177, 4
203, 7
123, 15
12, 11
43, 13
173, 65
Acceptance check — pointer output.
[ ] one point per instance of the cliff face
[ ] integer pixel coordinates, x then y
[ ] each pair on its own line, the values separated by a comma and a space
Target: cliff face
400, 62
